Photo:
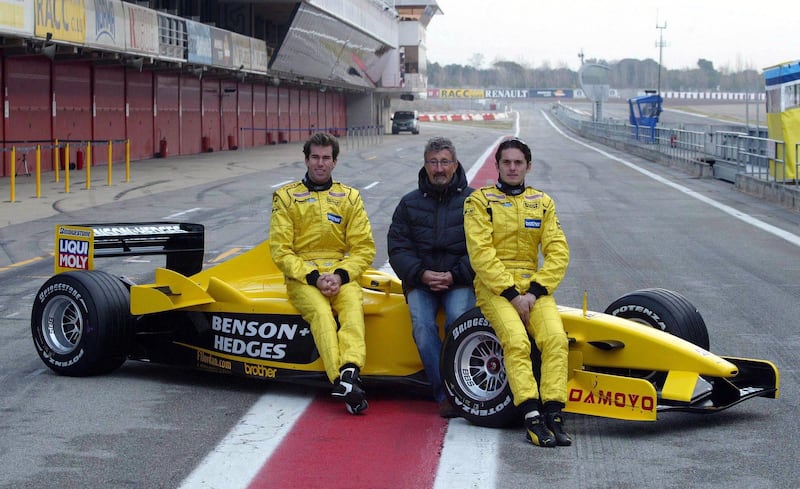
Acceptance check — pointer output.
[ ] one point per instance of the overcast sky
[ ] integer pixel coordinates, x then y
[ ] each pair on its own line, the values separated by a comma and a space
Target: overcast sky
734, 35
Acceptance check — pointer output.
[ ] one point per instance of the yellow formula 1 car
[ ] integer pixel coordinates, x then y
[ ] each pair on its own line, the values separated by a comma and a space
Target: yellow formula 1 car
647, 353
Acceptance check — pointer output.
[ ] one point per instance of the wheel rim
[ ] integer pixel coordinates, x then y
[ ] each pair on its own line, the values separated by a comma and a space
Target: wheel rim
62, 325
479, 361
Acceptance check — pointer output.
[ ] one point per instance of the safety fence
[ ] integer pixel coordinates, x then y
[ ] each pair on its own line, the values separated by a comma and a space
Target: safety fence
730, 153
351, 136
15, 157
755, 164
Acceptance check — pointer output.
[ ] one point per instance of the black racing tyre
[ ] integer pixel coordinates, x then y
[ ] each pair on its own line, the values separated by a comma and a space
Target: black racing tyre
665, 310
81, 323
473, 373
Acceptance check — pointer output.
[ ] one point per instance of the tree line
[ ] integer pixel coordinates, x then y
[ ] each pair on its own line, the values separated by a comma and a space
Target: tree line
623, 74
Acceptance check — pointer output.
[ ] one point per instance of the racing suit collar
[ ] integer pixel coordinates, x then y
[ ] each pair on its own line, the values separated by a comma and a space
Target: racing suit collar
316, 187
510, 189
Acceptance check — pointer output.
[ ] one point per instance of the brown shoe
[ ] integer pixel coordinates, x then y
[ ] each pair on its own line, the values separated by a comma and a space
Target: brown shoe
446, 410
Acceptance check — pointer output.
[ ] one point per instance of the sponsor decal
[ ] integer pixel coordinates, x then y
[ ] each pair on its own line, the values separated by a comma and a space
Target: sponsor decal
73, 254
336, 194
74, 248
206, 359
260, 371
466, 325
480, 410
79, 232
301, 195
643, 311
533, 223
336, 219
503, 93
533, 197
612, 399
490, 195
138, 230
71, 361
60, 287
461, 93
255, 337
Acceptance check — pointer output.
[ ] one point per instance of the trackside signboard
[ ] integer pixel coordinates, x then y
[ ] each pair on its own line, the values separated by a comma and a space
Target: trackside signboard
74, 248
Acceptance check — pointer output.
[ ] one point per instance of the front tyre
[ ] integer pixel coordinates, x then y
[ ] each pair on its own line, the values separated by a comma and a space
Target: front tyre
473, 373
81, 324
665, 310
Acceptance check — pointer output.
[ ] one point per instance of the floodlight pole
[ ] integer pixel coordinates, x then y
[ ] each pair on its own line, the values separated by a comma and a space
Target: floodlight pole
660, 45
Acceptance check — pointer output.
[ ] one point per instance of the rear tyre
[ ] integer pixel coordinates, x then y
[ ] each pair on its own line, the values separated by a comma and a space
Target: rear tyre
81, 324
474, 375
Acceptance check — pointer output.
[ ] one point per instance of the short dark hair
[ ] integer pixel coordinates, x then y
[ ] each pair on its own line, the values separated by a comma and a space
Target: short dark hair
439, 143
513, 143
322, 139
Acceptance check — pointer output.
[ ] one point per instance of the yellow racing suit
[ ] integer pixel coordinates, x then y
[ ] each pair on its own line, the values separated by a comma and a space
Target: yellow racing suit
505, 233
324, 231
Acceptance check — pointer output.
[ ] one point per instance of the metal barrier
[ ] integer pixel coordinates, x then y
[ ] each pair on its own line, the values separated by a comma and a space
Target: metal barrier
361, 136
756, 165
758, 157
352, 137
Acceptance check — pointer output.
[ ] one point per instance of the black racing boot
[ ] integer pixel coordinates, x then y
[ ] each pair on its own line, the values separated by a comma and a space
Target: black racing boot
537, 432
348, 388
555, 423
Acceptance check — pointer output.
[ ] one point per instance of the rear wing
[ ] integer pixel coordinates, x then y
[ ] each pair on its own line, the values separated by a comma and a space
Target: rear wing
76, 246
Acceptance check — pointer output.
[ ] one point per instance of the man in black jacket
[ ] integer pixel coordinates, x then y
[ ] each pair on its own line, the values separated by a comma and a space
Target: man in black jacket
428, 251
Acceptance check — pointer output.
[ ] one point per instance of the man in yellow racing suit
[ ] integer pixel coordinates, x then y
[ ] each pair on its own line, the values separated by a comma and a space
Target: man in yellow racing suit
321, 239
506, 226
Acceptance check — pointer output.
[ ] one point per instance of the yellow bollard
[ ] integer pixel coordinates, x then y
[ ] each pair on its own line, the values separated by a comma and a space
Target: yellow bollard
66, 168
13, 174
88, 165
56, 162
38, 170
109, 163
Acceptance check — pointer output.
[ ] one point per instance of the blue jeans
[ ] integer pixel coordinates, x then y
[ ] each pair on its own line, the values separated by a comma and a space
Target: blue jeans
423, 306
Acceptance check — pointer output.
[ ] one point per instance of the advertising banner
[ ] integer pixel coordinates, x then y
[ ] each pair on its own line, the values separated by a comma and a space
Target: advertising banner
65, 20
16, 17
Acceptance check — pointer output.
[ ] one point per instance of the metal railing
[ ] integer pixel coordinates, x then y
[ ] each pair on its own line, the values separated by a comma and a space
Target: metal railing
757, 157
351, 136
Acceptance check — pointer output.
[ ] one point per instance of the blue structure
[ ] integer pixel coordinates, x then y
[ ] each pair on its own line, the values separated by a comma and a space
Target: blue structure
644, 112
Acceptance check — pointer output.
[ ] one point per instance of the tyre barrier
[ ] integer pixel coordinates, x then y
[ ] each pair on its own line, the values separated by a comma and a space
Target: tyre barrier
486, 116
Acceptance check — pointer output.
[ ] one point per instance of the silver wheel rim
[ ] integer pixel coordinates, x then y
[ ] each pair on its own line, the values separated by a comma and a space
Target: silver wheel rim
479, 361
62, 325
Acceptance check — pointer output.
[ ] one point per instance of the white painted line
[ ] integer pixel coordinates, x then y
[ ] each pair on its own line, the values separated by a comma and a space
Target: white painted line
747, 218
240, 455
477, 164
371, 185
183, 213
281, 184
469, 456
